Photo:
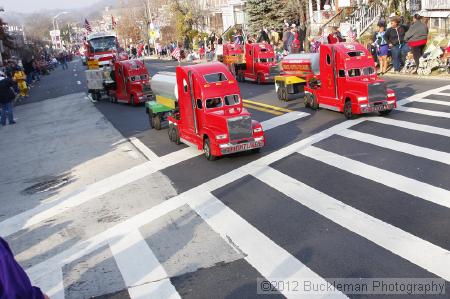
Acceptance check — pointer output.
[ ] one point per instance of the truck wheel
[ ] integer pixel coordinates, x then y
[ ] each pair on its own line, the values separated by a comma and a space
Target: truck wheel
207, 150
307, 101
313, 102
132, 100
385, 112
156, 119
348, 109
176, 136
259, 79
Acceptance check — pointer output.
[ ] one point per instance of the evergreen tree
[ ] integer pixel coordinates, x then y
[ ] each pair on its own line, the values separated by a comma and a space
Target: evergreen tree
265, 13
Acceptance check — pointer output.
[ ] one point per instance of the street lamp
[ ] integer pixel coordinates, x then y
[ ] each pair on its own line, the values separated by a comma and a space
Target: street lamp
55, 21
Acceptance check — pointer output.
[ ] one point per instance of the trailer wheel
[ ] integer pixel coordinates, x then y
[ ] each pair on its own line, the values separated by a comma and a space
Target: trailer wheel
284, 94
150, 118
385, 112
348, 109
156, 121
207, 150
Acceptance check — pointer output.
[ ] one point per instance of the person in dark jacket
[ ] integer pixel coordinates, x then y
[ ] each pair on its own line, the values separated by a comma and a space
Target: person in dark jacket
395, 37
14, 282
7, 96
417, 36
263, 36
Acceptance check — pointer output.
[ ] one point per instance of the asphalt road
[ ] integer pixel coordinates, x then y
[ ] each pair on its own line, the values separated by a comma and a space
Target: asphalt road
326, 198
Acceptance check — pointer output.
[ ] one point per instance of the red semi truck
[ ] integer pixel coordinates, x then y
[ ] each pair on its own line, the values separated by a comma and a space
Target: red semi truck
341, 77
260, 64
252, 62
209, 114
102, 47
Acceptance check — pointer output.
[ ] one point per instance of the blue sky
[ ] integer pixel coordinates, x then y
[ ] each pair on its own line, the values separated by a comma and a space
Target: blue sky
37, 5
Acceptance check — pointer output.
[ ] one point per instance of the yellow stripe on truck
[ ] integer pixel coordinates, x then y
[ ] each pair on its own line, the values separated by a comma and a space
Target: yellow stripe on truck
165, 101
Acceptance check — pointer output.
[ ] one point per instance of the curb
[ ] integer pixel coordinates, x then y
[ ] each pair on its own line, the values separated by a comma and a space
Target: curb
439, 77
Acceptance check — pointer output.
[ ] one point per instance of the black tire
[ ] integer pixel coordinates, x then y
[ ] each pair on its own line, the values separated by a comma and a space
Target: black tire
150, 118
348, 109
240, 77
279, 93
170, 132
176, 136
284, 94
385, 112
307, 100
207, 150
156, 121
259, 79
313, 102
132, 100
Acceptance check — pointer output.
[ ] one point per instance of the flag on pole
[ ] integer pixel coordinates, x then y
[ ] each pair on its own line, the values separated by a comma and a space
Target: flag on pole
176, 53
113, 22
87, 26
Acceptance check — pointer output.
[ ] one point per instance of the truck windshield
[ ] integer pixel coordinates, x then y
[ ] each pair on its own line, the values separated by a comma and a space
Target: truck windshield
368, 71
265, 60
216, 77
101, 44
354, 72
214, 103
232, 100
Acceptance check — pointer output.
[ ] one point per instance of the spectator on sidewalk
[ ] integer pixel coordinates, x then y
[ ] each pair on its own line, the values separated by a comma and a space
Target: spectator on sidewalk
20, 78
286, 37
416, 37
7, 96
382, 47
395, 37
14, 282
335, 36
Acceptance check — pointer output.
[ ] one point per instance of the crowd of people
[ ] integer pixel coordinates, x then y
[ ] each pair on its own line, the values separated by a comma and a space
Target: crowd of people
18, 76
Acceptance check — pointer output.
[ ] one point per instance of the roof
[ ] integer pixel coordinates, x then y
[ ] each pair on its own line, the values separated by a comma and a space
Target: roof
100, 34
209, 68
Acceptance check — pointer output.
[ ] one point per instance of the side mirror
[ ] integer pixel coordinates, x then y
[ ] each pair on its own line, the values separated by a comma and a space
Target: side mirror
314, 83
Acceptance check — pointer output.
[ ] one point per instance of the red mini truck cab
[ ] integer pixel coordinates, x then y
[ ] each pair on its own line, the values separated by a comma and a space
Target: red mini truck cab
210, 115
341, 77
132, 82
260, 64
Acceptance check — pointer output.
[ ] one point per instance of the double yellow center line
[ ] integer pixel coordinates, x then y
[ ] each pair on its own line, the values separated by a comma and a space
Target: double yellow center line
265, 107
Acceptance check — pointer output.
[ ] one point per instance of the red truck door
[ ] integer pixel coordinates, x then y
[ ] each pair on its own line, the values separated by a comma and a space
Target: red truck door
187, 104
328, 88
121, 86
250, 61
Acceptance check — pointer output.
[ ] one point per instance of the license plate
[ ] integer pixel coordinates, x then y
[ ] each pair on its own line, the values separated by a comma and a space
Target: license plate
242, 147
378, 108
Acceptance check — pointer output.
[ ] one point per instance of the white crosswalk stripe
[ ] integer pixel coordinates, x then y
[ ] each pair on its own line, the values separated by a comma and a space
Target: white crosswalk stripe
398, 146
422, 99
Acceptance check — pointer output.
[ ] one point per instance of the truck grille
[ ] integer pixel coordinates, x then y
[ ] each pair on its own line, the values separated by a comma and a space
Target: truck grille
240, 128
146, 88
377, 92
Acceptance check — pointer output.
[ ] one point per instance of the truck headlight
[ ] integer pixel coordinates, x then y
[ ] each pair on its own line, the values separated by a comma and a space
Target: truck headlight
362, 99
257, 130
391, 95
221, 137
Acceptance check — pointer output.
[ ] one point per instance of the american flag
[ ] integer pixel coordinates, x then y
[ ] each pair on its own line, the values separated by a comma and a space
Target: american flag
87, 26
113, 22
176, 53
351, 34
